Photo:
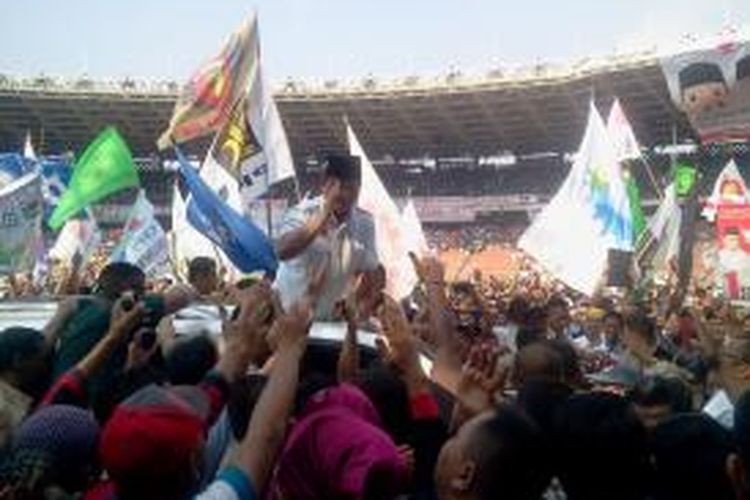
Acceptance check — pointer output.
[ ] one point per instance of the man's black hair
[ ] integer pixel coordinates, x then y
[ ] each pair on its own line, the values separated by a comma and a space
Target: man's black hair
201, 266
116, 277
571, 364
700, 73
511, 457
743, 68
643, 326
190, 359
663, 391
345, 168
601, 448
19, 344
616, 316
689, 456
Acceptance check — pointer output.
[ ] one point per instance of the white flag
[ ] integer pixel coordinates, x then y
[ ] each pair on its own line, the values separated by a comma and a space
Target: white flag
416, 241
621, 134
144, 242
588, 215
729, 189
21, 210
390, 239
28, 148
77, 237
252, 144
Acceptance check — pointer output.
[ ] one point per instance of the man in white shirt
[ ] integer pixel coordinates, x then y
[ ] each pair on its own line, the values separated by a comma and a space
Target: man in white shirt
328, 231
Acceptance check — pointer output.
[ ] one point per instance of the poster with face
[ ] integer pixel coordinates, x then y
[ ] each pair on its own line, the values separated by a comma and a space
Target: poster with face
710, 82
733, 255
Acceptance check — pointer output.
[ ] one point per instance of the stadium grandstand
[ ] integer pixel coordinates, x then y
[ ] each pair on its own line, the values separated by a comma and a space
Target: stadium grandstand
485, 151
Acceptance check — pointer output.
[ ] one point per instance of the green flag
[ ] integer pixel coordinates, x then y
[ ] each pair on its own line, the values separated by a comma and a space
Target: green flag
105, 167
634, 201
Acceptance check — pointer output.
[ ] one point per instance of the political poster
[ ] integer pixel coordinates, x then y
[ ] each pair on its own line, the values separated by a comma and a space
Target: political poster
710, 81
21, 210
144, 242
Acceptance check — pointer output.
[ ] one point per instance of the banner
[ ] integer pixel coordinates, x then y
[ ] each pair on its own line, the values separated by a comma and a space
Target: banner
20, 223
733, 242
710, 82
144, 242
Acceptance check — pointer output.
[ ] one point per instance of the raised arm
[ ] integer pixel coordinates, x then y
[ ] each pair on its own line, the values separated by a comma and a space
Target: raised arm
294, 241
258, 449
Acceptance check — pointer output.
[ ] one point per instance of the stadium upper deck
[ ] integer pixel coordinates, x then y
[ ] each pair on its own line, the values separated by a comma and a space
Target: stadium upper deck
532, 110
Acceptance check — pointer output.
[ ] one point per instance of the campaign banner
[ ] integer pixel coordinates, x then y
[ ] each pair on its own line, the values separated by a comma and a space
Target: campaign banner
77, 240
144, 242
21, 210
733, 255
710, 82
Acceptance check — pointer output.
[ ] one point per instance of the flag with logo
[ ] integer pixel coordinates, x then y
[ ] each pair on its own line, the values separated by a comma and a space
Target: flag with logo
208, 98
390, 237
244, 244
252, 145
627, 149
588, 216
20, 223
144, 242
104, 168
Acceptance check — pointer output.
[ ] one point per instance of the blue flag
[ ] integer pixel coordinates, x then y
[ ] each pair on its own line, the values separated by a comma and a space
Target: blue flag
243, 243
56, 173
13, 166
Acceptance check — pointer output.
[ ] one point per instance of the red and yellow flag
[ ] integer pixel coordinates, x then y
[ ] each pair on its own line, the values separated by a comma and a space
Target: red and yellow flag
207, 100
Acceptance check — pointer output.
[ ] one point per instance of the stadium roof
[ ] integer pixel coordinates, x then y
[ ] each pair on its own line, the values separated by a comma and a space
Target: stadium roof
533, 110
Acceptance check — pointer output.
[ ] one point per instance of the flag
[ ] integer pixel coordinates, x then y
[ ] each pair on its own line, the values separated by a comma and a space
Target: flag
144, 243
589, 215
390, 237
626, 148
729, 189
252, 145
55, 178
243, 243
20, 223
684, 179
105, 167
621, 134
208, 98
634, 202
12, 166
28, 148
662, 234
416, 242
80, 237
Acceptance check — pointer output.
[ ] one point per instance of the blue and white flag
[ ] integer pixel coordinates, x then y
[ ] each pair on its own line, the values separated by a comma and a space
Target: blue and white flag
143, 242
56, 174
588, 216
13, 166
244, 244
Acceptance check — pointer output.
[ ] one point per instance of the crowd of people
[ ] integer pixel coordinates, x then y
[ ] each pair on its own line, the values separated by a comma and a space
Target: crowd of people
533, 393
487, 388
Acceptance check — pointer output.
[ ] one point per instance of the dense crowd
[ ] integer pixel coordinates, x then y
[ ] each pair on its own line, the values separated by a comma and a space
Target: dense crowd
475, 237
531, 392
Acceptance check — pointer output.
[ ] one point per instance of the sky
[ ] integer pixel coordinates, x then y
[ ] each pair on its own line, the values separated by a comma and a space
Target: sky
324, 39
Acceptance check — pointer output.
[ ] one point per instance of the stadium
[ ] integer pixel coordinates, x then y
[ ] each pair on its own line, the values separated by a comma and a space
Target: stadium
479, 152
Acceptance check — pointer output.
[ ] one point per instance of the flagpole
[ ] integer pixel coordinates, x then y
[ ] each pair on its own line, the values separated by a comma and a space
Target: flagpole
652, 178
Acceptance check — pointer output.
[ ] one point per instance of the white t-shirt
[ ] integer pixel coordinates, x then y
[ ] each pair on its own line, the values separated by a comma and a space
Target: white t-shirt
351, 248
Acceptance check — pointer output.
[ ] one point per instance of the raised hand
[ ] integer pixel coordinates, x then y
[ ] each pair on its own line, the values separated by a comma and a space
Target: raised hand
482, 376
290, 330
